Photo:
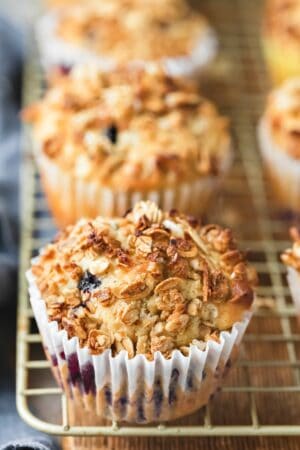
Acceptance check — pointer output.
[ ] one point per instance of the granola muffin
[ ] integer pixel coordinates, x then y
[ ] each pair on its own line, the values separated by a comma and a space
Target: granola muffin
108, 139
142, 315
291, 258
128, 32
279, 138
281, 38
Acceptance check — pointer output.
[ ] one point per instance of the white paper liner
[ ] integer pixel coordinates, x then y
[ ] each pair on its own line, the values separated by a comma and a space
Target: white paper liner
71, 198
283, 171
136, 390
293, 278
55, 51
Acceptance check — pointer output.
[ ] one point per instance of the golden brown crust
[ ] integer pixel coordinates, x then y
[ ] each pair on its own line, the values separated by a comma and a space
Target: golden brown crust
129, 129
291, 256
149, 282
131, 30
282, 116
282, 21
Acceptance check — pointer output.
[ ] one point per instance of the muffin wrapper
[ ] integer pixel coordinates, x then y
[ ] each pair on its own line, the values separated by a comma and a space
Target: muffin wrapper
135, 390
293, 278
283, 171
55, 52
72, 198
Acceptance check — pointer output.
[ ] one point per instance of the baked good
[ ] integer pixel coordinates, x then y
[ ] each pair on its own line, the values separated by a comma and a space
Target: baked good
279, 138
144, 313
281, 38
291, 258
108, 139
132, 32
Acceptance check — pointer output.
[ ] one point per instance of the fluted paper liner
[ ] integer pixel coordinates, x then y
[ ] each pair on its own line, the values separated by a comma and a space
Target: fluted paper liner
136, 389
282, 169
71, 198
55, 51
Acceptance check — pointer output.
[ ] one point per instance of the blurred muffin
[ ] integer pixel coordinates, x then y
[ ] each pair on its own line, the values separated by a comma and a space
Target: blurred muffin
106, 140
291, 258
142, 315
128, 32
281, 38
279, 138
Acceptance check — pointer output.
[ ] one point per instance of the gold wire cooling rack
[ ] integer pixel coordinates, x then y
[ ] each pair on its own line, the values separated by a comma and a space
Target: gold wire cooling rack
262, 394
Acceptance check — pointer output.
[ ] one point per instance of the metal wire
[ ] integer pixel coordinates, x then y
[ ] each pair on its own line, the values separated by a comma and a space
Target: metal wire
247, 207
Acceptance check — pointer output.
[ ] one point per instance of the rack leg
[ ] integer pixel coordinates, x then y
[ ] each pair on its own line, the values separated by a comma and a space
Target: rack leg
79, 416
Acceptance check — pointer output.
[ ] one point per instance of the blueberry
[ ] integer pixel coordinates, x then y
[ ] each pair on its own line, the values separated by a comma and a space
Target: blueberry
173, 385
54, 360
112, 133
74, 369
88, 375
64, 69
190, 381
158, 398
140, 409
107, 394
88, 282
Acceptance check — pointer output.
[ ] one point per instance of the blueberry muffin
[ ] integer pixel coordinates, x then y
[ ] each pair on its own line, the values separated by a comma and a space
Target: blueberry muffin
107, 139
141, 316
130, 32
281, 38
279, 138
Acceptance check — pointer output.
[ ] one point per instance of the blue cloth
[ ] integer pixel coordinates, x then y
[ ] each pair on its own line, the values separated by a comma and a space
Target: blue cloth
14, 434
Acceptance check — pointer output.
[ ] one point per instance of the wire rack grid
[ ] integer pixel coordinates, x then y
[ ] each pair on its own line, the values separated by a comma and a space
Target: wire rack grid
262, 394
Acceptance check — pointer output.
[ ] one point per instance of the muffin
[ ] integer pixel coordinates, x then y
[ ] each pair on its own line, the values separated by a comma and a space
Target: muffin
291, 258
130, 32
281, 38
107, 139
141, 316
279, 138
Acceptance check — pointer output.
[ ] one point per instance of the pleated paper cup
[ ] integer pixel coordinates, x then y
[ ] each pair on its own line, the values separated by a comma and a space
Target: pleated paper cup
134, 390
282, 170
55, 51
71, 198
293, 278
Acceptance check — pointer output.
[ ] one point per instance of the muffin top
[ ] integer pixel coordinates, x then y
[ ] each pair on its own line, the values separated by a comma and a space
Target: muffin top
291, 256
151, 281
129, 129
283, 116
282, 19
129, 30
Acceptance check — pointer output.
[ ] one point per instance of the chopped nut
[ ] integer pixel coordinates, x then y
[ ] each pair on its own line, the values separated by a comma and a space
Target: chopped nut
209, 313
194, 307
143, 245
127, 313
128, 346
177, 322
169, 283
135, 291
105, 297
98, 341
142, 345
163, 344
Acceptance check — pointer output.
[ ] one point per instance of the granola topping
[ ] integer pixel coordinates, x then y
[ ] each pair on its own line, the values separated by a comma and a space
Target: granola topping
114, 28
144, 307
283, 117
129, 129
282, 19
291, 256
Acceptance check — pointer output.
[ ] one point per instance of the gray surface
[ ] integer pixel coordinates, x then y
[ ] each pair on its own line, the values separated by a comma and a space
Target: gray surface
11, 426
